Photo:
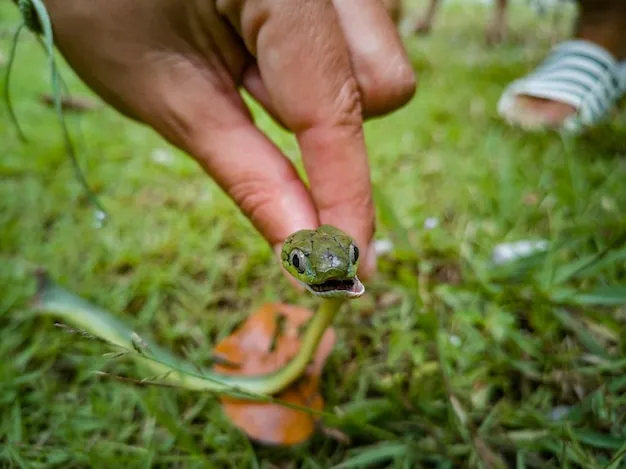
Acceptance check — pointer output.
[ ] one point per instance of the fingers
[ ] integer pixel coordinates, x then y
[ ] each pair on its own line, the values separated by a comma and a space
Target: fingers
211, 122
260, 180
304, 62
175, 75
190, 99
382, 69
253, 84
254, 173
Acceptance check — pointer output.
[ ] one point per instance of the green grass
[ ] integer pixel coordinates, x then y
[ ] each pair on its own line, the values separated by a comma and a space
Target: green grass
454, 362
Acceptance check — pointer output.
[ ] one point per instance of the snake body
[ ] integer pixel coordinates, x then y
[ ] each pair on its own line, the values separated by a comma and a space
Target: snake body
324, 261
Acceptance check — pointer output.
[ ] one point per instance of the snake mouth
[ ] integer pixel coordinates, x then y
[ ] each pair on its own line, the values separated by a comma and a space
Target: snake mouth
350, 288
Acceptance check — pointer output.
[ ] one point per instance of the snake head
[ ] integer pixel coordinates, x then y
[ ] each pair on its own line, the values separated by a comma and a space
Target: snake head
324, 261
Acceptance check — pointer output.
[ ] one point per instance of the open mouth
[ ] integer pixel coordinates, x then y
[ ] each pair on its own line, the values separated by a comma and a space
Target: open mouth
351, 288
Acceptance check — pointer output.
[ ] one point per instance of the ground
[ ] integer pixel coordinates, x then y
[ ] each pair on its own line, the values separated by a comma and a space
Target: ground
447, 361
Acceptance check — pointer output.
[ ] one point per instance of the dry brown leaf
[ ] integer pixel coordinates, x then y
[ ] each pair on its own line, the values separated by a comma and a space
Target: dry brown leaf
257, 348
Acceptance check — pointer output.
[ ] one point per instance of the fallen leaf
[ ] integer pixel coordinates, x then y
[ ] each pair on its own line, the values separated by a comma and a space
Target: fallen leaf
257, 347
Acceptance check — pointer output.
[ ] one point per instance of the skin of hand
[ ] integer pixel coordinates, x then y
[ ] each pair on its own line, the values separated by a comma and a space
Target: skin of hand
319, 67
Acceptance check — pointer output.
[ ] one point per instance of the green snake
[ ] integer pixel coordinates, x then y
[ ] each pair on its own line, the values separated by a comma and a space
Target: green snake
324, 261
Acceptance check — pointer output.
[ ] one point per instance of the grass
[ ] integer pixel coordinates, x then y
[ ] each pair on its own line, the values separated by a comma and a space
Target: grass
456, 363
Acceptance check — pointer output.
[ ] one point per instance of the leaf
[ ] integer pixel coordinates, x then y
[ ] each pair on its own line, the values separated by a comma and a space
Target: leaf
152, 402
517, 268
526, 436
609, 259
373, 455
589, 265
16, 420
597, 440
615, 385
605, 296
617, 458
572, 269
564, 451
257, 346
487, 455
577, 449
44, 28
581, 332
367, 410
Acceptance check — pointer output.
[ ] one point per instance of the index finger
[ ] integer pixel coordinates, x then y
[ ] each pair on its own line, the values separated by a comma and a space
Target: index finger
304, 61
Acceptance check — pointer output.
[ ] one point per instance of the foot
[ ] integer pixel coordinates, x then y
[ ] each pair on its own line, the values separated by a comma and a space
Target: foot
575, 87
534, 113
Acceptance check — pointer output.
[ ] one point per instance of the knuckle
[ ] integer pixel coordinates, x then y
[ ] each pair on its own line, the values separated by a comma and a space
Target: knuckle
253, 195
405, 80
348, 104
341, 110
388, 88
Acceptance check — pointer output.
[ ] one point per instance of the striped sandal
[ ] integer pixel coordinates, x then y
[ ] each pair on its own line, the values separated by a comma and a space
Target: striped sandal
579, 73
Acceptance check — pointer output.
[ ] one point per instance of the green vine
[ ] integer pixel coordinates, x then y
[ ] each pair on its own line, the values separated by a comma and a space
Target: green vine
35, 17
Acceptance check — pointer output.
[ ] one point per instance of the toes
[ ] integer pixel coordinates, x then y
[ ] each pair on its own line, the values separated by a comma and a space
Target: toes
531, 112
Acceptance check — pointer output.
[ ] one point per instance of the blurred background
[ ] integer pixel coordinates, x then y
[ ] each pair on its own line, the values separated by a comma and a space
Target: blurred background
461, 359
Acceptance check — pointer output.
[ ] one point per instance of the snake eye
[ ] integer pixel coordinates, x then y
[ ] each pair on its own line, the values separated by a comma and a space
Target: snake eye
298, 260
354, 253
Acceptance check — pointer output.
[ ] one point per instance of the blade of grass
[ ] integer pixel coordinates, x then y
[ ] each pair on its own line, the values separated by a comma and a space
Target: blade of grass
589, 265
374, 455
617, 458
152, 404
602, 296
597, 440
7, 82
590, 461
581, 332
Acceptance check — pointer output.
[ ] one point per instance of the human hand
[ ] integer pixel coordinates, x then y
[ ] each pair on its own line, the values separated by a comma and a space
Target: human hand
318, 67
